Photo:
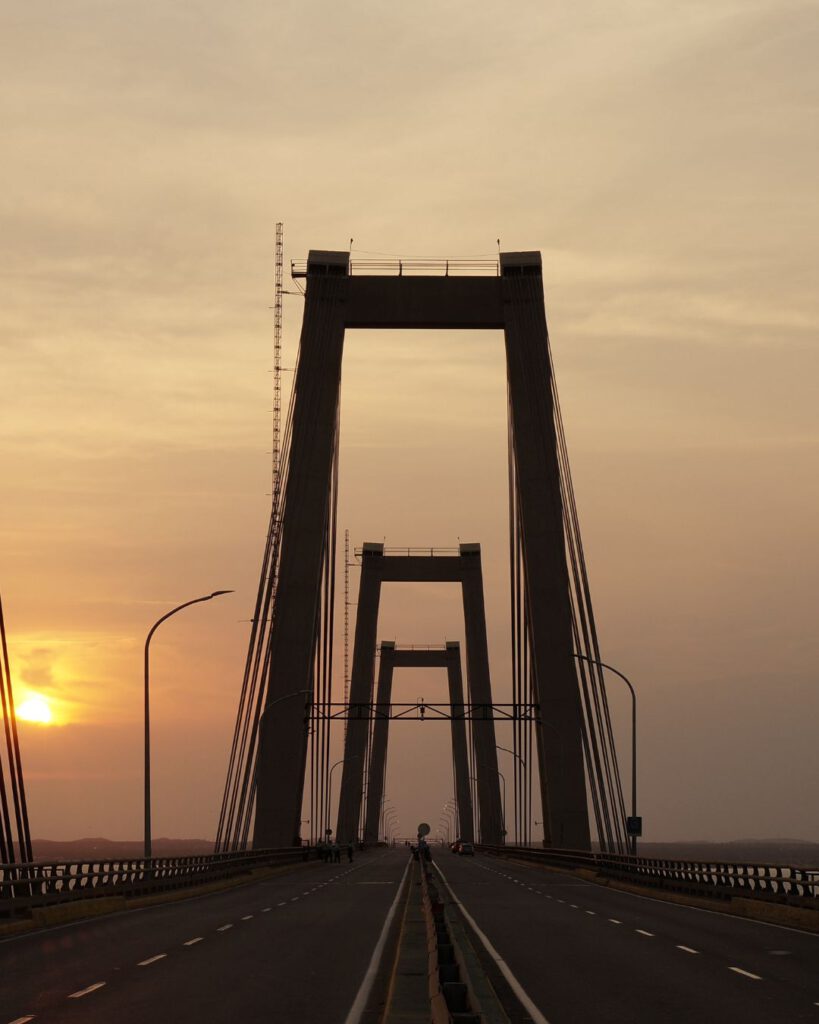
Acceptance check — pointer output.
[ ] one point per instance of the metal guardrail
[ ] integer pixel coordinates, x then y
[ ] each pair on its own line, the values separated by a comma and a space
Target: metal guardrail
25, 887
776, 883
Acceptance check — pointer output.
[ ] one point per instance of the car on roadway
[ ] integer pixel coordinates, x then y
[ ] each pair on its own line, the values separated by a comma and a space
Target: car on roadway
467, 849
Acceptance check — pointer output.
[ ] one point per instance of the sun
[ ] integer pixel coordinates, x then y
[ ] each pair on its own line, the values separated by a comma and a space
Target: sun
34, 709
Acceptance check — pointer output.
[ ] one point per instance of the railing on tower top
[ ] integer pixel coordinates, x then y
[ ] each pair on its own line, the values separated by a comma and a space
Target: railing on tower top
414, 268
414, 552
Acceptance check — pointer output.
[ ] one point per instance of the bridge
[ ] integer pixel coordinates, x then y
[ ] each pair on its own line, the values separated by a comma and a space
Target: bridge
350, 921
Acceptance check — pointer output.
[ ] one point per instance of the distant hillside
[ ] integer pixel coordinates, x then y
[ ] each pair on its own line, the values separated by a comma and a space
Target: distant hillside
98, 848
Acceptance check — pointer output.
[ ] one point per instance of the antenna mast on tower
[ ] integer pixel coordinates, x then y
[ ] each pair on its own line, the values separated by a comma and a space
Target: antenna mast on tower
346, 621
277, 363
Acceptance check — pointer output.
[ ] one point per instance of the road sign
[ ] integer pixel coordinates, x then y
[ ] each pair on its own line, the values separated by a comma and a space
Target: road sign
423, 829
634, 826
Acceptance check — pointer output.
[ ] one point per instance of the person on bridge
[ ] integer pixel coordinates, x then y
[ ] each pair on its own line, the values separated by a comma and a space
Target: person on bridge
335, 850
350, 852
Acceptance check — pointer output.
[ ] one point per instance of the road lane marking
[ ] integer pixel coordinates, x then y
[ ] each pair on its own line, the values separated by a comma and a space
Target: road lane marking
745, 974
591, 912
642, 931
688, 949
535, 1014
283, 904
356, 1011
224, 928
613, 920
152, 960
85, 991
561, 901
192, 942
293, 899
247, 917
266, 910
574, 906
23, 1020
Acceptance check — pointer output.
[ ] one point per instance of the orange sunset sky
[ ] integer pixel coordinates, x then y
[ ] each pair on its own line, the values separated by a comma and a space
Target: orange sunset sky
663, 157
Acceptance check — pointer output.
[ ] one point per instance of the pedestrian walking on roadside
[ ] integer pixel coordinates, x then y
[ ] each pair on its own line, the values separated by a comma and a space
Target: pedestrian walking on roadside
350, 852
336, 852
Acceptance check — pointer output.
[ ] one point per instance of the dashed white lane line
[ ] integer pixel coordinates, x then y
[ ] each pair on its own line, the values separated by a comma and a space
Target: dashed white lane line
293, 899
23, 1020
745, 974
642, 931
192, 942
613, 920
688, 949
561, 901
592, 913
283, 904
152, 960
574, 906
85, 991
248, 917
266, 910
224, 928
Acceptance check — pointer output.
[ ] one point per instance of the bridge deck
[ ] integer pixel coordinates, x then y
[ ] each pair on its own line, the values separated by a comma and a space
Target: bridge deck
295, 948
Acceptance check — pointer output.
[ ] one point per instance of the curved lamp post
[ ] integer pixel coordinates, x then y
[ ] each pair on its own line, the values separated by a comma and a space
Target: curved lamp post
514, 753
151, 631
627, 681
355, 757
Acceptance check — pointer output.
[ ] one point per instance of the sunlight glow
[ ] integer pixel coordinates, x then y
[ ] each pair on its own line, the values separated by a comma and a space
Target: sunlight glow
34, 709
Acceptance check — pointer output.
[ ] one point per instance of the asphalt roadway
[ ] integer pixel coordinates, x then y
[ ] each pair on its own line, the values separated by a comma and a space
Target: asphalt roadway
296, 947
293, 948
585, 953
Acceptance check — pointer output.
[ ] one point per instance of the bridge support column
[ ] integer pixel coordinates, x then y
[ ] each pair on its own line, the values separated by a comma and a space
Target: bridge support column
361, 694
560, 743
283, 731
378, 754
460, 759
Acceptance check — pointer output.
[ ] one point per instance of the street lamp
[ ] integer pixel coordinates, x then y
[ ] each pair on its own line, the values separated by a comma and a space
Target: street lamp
627, 681
153, 629
514, 753
355, 757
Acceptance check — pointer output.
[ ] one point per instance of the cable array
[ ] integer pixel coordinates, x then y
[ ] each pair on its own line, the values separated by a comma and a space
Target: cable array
602, 770
15, 815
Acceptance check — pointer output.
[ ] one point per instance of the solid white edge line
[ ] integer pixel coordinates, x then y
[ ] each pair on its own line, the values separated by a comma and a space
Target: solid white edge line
356, 1011
85, 991
503, 967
